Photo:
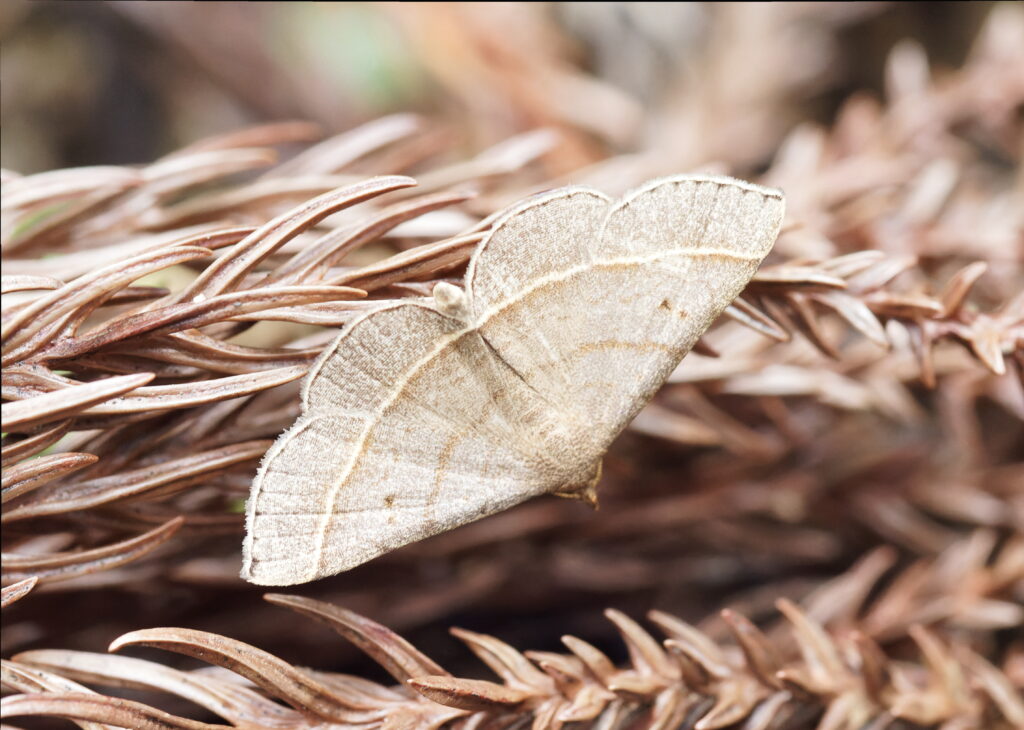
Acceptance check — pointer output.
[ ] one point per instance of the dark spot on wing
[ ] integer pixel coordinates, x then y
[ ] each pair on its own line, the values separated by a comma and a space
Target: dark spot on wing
667, 306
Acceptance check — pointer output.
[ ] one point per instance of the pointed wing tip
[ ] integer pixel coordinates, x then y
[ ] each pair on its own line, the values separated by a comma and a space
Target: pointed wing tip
252, 574
291, 572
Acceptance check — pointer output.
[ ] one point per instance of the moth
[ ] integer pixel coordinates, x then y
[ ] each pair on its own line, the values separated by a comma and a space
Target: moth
427, 414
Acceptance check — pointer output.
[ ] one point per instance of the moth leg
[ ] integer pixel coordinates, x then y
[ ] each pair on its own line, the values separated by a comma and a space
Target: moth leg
586, 492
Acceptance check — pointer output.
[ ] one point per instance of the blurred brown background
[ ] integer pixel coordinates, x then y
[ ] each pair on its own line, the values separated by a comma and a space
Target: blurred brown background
114, 83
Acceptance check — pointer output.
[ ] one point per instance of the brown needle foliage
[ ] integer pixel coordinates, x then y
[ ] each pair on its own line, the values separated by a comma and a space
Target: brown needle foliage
781, 679
138, 383
843, 448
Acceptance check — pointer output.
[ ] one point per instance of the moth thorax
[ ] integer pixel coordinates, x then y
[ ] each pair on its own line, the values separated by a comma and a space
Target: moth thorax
451, 301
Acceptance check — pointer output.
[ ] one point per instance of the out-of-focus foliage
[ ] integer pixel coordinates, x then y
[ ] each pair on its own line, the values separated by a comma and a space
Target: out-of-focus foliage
94, 82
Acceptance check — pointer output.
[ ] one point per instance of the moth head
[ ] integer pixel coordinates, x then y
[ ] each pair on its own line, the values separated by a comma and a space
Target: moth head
451, 301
